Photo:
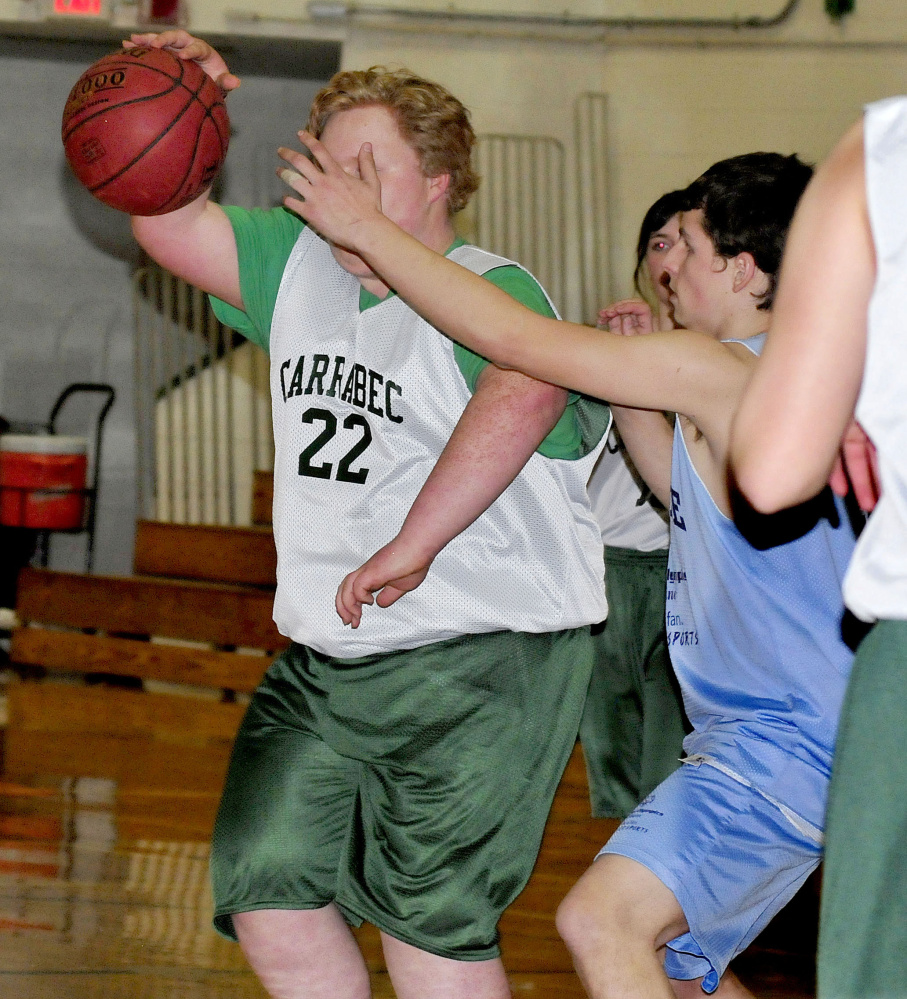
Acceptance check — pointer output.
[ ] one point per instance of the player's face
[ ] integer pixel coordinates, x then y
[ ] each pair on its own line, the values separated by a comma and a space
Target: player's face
699, 279
406, 193
660, 244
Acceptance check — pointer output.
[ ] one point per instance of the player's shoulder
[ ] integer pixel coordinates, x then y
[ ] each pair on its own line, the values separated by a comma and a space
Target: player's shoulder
746, 351
478, 259
703, 377
506, 274
265, 222
713, 349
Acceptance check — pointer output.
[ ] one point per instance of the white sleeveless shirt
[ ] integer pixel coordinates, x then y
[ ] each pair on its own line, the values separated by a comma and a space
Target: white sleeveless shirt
876, 584
363, 405
621, 502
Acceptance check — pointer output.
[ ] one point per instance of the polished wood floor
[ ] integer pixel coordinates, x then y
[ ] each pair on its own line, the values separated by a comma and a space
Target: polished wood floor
104, 893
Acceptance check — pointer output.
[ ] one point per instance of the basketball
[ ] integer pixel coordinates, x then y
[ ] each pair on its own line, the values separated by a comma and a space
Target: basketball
144, 131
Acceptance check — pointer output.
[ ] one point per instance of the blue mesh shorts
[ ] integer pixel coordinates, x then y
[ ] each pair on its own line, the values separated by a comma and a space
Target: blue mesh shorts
732, 858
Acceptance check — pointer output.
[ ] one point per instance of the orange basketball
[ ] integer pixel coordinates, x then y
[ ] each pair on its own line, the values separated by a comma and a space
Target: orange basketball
144, 131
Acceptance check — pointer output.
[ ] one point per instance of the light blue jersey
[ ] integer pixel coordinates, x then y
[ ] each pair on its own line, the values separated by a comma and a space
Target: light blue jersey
754, 613
754, 631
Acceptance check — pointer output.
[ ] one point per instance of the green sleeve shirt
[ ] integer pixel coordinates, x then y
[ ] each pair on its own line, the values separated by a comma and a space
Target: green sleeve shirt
264, 241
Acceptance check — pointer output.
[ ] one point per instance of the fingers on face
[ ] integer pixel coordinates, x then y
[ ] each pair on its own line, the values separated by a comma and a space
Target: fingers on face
298, 175
312, 144
303, 166
367, 169
321, 157
289, 177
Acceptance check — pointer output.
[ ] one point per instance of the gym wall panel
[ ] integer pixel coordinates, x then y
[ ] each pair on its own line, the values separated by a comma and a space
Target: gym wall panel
675, 104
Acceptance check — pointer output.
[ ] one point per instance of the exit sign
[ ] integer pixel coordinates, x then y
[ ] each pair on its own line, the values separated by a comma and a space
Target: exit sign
80, 8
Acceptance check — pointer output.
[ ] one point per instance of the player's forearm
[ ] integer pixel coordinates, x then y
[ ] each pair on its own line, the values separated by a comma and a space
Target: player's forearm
501, 427
483, 318
197, 244
648, 438
680, 371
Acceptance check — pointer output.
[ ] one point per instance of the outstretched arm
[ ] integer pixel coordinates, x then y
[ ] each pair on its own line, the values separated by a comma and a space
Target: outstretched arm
681, 371
801, 399
195, 242
504, 422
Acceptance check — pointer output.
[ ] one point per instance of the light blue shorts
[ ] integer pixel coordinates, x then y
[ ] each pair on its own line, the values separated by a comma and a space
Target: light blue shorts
731, 857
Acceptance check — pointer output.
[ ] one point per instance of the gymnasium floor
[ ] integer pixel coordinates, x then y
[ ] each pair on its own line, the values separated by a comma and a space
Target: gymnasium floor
103, 893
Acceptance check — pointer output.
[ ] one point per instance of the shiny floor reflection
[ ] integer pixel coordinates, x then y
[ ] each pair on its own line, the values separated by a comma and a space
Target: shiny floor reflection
105, 893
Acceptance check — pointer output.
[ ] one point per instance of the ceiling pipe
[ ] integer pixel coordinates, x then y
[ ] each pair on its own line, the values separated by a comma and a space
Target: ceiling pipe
339, 11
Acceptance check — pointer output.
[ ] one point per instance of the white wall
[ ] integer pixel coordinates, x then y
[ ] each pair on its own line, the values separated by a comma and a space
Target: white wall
677, 102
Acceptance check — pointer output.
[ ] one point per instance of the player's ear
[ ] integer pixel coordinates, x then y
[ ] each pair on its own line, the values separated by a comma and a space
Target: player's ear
438, 187
745, 270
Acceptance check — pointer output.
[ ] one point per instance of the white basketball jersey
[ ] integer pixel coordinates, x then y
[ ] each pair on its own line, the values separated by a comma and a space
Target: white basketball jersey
621, 504
363, 405
876, 585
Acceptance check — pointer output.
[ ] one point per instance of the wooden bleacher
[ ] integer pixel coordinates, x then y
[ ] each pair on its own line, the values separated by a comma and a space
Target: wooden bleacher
243, 555
195, 618
191, 634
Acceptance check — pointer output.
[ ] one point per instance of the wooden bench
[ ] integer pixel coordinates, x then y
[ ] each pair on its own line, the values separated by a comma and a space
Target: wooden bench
243, 555
197, 620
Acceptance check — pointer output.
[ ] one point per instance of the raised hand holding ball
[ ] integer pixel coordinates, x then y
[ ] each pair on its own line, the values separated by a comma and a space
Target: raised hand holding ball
144, 131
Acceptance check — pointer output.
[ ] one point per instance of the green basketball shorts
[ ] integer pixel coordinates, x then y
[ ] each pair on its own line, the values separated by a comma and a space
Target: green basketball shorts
411, 789
863, 926
634, 724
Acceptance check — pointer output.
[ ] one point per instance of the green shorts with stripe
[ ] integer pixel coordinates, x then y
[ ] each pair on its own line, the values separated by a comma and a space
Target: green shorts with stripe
411, 789
634, 724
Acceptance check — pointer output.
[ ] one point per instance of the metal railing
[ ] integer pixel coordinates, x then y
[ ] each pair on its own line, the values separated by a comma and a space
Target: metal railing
202, 406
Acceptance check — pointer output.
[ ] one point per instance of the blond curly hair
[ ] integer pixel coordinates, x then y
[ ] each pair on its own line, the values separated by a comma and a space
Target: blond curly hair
434, 123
